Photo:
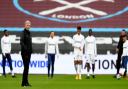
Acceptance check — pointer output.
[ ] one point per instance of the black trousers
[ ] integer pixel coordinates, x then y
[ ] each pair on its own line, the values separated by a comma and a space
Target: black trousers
7, 55
26, 61
118, 63
51, 60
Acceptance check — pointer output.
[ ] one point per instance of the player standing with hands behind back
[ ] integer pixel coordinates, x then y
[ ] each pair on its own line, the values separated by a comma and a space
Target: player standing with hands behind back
51, 49
90, 52
78, 44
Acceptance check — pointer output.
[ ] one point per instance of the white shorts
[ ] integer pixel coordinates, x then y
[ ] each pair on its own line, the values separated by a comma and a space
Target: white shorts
78, 54
90, 58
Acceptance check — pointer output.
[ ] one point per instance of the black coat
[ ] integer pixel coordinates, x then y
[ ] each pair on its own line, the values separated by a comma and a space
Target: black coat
120, 46
26, 42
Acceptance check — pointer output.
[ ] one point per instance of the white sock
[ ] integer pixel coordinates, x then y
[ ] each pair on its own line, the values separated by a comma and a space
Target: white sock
12, 73
93, 73
88, 74
80, 69
77, 69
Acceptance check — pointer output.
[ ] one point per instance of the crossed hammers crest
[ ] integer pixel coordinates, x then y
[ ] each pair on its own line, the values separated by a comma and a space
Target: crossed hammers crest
78, 5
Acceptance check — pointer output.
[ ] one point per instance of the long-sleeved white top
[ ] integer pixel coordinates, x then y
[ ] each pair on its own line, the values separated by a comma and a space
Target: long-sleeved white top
125, 48
5, 44
78, 41
90, 45
51, 46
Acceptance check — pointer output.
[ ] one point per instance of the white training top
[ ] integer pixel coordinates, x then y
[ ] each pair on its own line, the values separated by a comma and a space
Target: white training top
90, 45
51, 46
78, 41
5, 44
125, 48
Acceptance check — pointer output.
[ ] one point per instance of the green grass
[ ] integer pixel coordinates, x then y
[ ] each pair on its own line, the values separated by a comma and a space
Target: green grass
64, 82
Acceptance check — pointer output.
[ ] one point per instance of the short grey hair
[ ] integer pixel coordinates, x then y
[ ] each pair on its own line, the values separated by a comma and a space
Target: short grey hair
27, 22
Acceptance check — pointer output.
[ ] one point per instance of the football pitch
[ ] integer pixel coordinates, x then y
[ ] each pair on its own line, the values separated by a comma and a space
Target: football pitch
64, 82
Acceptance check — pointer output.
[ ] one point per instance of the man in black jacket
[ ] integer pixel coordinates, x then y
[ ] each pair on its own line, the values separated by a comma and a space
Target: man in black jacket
26, 50
119, 50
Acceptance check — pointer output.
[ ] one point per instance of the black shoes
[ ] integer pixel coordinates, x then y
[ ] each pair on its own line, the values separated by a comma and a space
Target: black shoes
114, 76
93, 76
29, 85
50, 77
4, 75
87, 77
26, 85
13, 76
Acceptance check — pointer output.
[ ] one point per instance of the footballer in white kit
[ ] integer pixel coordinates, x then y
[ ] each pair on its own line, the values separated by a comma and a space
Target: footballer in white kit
90, 52
78, 44
6, 52
125, 56
51, 49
